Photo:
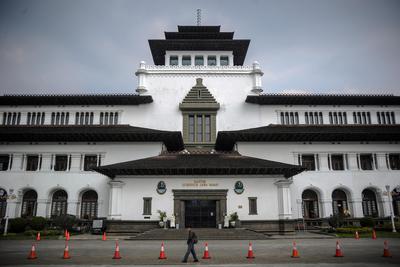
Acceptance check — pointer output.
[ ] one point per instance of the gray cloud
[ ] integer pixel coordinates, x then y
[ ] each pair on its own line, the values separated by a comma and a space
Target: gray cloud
53, 46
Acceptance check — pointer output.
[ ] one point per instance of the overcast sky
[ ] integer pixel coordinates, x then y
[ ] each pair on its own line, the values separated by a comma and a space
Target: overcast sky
94, 46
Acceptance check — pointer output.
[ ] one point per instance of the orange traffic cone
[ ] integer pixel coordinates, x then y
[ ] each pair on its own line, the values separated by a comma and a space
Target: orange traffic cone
206, 255
162, 252
66, 251
38, 236
117, 255
32, 254
67, 237
373, 234
295, 252
65, 233
339, 252
104, 238
356, 236
250, 254
386, 252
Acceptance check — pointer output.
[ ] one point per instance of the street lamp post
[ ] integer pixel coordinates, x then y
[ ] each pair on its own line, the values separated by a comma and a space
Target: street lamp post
391, 208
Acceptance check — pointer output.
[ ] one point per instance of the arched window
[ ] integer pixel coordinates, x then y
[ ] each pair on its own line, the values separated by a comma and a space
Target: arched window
339, 202
3, 202
29, 201
310, 204
89, 205
369, 204
59, 203
396, 201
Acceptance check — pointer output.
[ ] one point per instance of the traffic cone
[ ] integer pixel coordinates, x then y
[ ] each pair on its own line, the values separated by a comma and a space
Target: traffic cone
373, 234
206, 255
162, 252
117, 255
66, 252
32, 254
104, 238
67, 237
250, 254
295, 252
339, 252
356, 235
65, 233
38, 236
386, 252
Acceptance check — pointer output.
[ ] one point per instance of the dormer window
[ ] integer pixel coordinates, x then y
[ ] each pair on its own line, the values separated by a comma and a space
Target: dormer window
186, 61
173, 61
212, 61
199, 61
224, 61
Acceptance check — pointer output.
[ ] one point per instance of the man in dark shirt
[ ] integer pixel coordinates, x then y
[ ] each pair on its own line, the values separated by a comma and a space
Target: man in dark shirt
192, 239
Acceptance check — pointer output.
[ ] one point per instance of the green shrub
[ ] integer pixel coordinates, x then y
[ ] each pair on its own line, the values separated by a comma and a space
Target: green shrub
336, 221
65, 221
32, 233
37, 223
352, 230
387, 226
367, 222
52, 232
18, 225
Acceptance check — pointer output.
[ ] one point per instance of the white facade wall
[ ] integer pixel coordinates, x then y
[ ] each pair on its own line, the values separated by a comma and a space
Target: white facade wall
74, 181
134, 189
353, 181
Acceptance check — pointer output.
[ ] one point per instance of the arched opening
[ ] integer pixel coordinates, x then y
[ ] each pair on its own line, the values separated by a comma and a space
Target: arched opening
310, 204
339, 203
89, 205
29, 202
396, 201
369, 204
59, 203
3, 202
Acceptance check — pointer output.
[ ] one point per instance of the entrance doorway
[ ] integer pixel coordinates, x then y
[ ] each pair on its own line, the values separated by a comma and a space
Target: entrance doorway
200, 213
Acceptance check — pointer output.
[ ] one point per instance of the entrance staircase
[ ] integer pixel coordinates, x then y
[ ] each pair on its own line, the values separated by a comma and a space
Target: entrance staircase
202, 233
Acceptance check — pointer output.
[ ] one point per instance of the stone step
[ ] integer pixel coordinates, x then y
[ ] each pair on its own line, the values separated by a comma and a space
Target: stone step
202, 233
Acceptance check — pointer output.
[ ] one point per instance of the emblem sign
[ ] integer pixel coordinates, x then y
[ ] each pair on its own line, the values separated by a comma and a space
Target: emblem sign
239, 188
161, 187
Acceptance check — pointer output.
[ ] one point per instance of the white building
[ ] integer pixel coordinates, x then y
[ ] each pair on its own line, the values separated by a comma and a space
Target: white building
200, 141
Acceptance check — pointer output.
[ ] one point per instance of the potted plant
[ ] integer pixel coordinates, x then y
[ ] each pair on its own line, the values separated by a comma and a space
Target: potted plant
162, 215
233, 219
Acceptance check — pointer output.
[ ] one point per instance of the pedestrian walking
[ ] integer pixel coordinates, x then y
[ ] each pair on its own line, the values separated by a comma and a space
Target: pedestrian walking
191, 241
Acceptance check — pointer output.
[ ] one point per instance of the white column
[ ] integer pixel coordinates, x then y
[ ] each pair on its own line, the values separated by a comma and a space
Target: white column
72, 207
356, 204
231, 60
257, 73
115, 200
46, 162
284, 200
17, 162
75, 162
323, 162
353, 166
141, 74
381, 160
41, 208
326, 205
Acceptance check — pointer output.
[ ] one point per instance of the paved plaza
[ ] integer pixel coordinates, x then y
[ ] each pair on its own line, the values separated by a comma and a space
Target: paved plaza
363, 252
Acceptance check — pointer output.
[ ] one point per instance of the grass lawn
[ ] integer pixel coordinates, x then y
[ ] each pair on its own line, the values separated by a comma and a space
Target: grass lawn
379, 234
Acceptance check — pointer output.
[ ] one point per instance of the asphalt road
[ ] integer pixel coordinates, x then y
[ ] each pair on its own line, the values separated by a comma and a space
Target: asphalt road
363, 252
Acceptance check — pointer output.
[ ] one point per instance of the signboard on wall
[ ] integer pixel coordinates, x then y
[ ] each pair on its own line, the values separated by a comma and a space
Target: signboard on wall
200, 183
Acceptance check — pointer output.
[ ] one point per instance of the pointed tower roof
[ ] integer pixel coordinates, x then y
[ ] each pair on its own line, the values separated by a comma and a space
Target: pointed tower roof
199, 98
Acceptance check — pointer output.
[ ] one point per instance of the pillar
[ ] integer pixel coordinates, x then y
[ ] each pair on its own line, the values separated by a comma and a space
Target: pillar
42, 208
284, 200
381, 160
323, 162
115, 200
72, 207
357, 211
353, 166
141, 74
326, 205
76, 162
257, 74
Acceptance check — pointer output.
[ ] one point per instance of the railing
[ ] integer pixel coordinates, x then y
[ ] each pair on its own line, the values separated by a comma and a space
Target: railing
162, 67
